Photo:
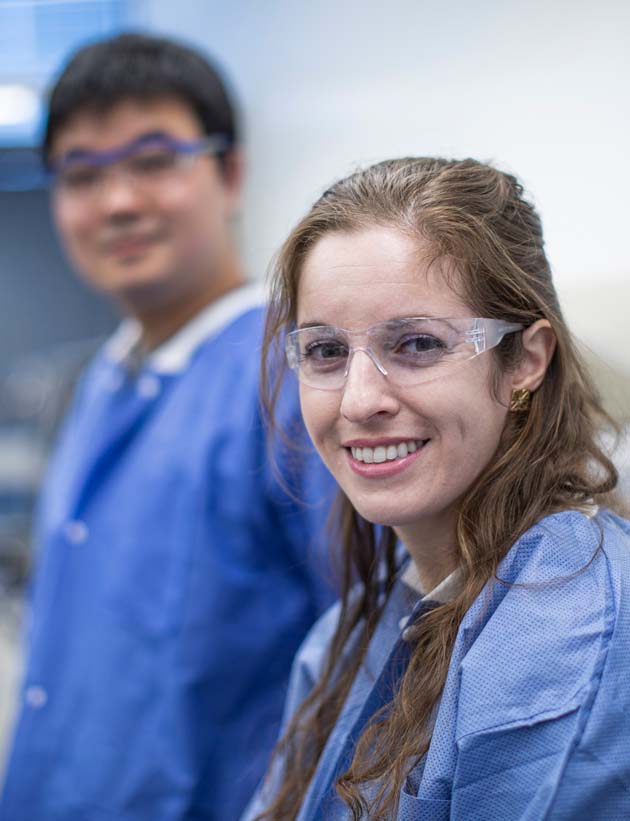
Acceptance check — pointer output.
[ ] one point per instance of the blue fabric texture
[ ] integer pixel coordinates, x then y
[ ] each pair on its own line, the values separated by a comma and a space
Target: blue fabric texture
534, 719
176, 581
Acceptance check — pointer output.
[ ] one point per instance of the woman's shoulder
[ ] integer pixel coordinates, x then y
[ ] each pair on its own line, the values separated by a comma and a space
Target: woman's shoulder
591, 549
616, 541
545, 631
568, 567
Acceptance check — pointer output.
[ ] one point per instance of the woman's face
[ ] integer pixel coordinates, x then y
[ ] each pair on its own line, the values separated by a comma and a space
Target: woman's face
353, 281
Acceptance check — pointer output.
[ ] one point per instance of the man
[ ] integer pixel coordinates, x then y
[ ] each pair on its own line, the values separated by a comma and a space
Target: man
175, 576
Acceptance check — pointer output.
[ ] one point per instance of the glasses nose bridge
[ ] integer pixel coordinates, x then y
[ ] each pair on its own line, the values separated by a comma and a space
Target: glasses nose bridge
367, 350
117, 169
366, 393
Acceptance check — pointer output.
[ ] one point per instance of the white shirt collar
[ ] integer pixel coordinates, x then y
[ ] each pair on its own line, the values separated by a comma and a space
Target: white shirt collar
174, 354
442, 593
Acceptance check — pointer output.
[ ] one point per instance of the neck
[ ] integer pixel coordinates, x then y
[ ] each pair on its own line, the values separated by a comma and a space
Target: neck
432, 547
161, 319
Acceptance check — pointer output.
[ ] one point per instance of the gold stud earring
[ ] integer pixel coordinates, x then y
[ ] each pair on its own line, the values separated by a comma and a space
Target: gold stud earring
520, 399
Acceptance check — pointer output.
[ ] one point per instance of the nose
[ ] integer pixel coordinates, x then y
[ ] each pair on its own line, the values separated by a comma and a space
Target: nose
118, 192
367, 391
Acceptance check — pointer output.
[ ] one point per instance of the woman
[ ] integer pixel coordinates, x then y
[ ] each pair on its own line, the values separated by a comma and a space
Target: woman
486, 677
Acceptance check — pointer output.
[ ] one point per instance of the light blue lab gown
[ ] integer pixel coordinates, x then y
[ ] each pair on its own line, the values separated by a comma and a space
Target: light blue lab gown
534, 719
175, 582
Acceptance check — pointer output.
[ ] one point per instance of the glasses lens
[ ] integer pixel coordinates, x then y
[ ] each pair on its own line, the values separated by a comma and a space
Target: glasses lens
79, 178
145, 162
319, 355
418, 350
151, 163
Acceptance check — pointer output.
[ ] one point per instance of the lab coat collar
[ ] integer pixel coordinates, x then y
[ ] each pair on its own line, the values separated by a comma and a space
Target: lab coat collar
174, 354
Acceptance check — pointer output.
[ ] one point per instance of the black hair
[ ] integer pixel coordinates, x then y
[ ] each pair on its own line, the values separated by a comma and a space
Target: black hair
139, 67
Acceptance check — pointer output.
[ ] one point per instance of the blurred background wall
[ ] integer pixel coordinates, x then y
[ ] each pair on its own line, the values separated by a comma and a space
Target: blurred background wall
539, 87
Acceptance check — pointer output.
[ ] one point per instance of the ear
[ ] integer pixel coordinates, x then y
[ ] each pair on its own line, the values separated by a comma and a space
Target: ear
233, 172
539, 343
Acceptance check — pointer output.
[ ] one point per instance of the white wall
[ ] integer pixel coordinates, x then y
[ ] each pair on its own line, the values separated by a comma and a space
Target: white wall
541, 87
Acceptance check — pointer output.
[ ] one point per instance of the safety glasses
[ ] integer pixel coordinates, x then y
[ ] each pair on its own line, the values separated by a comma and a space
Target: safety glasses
148, 162
406, 351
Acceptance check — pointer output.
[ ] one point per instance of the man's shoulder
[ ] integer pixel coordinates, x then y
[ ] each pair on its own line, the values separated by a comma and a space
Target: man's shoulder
246, 325
232, 331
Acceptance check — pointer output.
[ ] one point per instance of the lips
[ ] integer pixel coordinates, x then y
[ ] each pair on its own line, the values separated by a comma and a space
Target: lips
130, 245
383, 458
385, 453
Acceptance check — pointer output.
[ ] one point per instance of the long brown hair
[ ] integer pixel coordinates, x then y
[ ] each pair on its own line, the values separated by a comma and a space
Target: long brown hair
550, 458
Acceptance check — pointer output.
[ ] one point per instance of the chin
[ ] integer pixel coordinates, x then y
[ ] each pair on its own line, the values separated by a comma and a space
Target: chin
397, 512
135, 284
388, 515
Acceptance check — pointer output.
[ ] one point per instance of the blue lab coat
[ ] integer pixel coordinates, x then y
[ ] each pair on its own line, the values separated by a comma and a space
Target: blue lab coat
534, 718
175, 582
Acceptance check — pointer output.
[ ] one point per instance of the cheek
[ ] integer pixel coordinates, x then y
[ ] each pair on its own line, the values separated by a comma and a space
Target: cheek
179, 209
200, 195
73, 224
494, 423
470, 417
482, 437
320, 411
196, 219
179, 197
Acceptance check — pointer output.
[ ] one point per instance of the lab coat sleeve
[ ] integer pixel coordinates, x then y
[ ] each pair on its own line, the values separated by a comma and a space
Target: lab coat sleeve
544, 768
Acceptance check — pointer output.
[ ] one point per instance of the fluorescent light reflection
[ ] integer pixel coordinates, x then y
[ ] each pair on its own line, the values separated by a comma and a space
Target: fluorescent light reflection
19, 104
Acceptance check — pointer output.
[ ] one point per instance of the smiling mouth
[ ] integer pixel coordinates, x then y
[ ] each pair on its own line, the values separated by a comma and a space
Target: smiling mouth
130, 244
386, 453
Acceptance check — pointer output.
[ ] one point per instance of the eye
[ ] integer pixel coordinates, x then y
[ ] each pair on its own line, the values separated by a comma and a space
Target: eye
324, 352
80, 176
328, 349
421, 344
153, 162
420, 349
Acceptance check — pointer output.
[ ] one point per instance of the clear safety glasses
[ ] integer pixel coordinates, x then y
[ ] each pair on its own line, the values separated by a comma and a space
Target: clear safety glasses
407, 351
148, 163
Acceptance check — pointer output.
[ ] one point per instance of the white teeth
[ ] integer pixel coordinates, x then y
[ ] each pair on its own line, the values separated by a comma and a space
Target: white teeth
384, 453
380, 454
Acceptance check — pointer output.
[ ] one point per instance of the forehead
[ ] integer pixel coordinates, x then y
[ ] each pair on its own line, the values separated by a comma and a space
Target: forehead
125, 121
379, 273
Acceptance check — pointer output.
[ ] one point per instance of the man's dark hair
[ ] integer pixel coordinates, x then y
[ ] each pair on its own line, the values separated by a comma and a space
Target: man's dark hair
139, 67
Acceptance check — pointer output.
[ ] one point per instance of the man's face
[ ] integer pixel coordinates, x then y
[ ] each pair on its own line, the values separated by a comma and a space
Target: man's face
145, 240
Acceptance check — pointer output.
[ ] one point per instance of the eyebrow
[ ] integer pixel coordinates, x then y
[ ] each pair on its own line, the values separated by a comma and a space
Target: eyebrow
316, 323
